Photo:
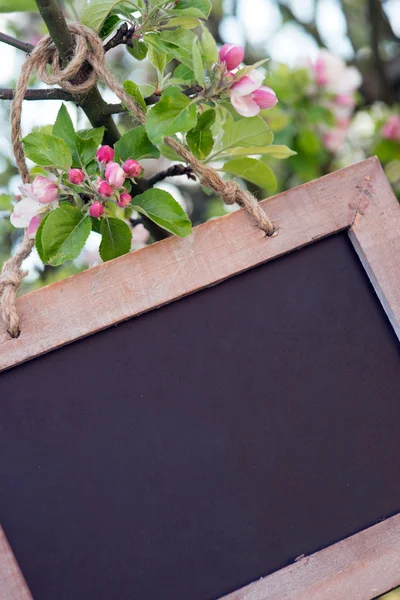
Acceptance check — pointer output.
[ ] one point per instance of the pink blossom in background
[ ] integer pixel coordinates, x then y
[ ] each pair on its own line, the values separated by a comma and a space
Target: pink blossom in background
391, 129
231, 55
115, 175
105, 154
334, 139
96, 210
132, 168
249, 96
332, 73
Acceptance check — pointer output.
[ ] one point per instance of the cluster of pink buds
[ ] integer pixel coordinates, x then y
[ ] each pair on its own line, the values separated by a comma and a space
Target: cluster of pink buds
110, 185
248, 95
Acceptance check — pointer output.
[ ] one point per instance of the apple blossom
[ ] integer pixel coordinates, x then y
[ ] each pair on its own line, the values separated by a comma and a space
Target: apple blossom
332, 73
104, 189
105, 154
132, 168
115, 175
96, 210
76, 176
231, 55
248, 96
124, 199
34, 225
391, 129
43, 189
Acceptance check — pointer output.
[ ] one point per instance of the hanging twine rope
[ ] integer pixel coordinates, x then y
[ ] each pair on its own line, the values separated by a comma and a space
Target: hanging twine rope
89, 48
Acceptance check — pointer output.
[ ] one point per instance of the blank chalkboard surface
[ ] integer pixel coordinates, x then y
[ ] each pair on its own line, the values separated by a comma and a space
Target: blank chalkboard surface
189, 451
161, 438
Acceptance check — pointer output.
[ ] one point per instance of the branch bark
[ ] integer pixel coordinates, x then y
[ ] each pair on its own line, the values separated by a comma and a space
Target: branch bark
51, 94
12, 41
92, 103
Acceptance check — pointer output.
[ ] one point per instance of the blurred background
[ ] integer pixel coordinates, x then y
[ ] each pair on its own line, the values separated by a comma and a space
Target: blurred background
335, 67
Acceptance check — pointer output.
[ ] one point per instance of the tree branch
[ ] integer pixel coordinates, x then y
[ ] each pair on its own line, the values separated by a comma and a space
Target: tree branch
52, 94
92, 103
310, 28
11, 41
173, 171
114, 109
123, 36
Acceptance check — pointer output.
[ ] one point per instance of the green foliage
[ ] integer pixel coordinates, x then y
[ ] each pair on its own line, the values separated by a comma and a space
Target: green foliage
164, 210
109, 25
135, 144
174, 113
95, 14
133, 90
200, 139
252, 170
83, 145
116, 238
7, 6
138, 50
64, 234
193, 8
47, 150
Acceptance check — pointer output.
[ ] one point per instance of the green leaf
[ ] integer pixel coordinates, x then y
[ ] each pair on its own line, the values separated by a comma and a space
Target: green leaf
95, 13
164, 210
47, 150
193, 8
109, 25
96, 134
116, 238
252, 170
38, 241
248, 132
158, 58
174, 113
133, 90
185, 22
63, 127
167, 152
209, 48
200, 139
64, 234
86, 150
7, 6
135, 144
198, 66
185, 74
138, 49
273, 151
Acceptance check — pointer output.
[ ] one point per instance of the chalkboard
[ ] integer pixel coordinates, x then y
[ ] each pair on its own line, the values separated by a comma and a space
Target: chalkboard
189, 451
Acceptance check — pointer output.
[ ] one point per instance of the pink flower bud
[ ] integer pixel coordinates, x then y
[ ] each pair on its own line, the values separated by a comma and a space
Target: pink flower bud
124, 199
132, 168
391, 129
115, 175
44, 189
76, 176
104, 189
265, 97
96, 210
231, 55
105, 154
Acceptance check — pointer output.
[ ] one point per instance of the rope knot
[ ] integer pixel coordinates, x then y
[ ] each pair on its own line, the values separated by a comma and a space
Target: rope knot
12, 278
87, 46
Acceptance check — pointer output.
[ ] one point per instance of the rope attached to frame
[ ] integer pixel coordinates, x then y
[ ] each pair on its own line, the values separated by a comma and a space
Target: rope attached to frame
88, 47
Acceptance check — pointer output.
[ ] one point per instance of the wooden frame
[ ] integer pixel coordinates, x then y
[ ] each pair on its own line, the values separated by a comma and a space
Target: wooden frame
358, 199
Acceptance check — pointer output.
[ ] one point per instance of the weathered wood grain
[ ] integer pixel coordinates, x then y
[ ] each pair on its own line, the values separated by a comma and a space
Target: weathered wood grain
97, 298
375, 235
12, 583
358, 568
